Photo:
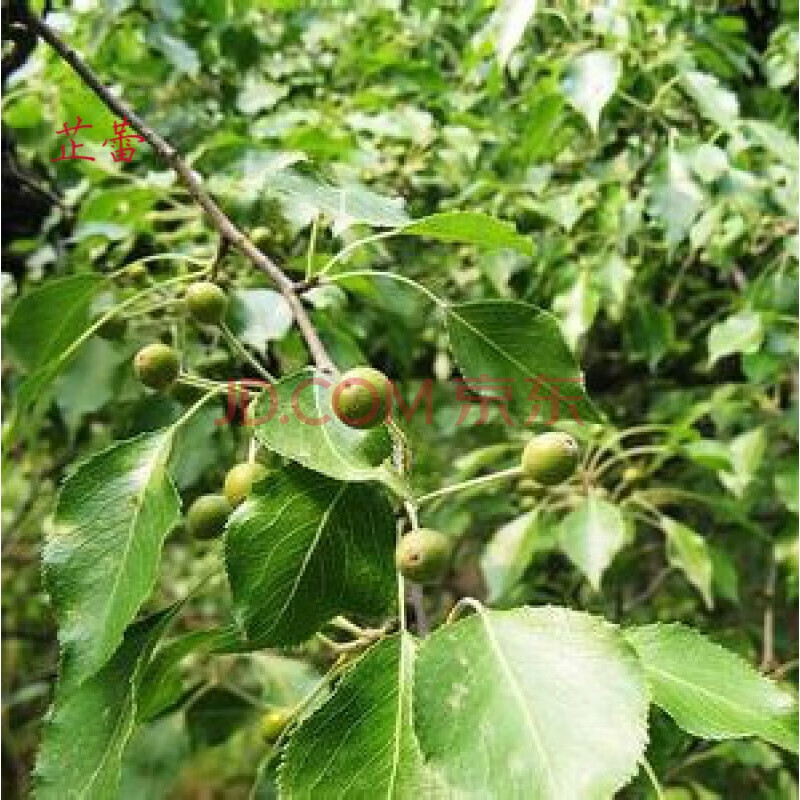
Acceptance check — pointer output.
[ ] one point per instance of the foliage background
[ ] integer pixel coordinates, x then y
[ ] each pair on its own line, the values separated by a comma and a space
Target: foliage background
664, 230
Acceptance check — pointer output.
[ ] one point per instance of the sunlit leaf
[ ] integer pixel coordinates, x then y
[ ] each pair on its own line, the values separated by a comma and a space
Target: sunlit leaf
258, 316
687, 550
553, 695
590, 82
710, 692
507, 26
740, 333
101, 558
470, 228
746, 454
591, 536
509, 552
714, 101
676, 199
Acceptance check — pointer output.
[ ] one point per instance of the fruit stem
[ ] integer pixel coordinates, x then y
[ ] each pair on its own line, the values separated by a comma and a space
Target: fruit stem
345, 251
625, 455
242, 351
608, 445
201, 383
165, 257
143, 312
187, 415
252, 449
514, 472
343, 647
312, 246
394, 276
346, 625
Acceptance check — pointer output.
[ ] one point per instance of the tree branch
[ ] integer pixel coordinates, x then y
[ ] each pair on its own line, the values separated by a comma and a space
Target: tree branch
229, 232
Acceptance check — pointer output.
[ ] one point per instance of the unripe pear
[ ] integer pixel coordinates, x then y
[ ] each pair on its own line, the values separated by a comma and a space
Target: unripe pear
632, 473
206, 302
240, 479
274, 722
423, 555
550, 458
113, 329
156, 365
361, 398
207, 516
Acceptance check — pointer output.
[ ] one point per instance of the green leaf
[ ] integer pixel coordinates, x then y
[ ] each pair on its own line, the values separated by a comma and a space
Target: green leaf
509, 341
774, 140
552, 700
591, 536
676, 199
590, 82
163, 682
47, 320
649, 332
87, 729
257, 95
101, 558
510, 550
787, 483
259, 316
41, 327
714, 101
216, 714
154, 758
740, 333
92, 380
469, 227
708, 453
576, 308
710, 692
746, 453
305, 550
687, 550
305, 428
361, 743
726, 578
507, 26
347, 205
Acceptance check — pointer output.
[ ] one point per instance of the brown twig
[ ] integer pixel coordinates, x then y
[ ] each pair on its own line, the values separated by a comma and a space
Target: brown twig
650, 591
768, 646
235, 237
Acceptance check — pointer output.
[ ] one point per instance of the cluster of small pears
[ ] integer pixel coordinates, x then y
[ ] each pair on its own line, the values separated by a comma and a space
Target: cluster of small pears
157, 365
423, 554
361, 400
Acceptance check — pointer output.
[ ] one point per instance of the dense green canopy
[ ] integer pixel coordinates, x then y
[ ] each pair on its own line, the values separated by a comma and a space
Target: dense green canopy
529, 216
